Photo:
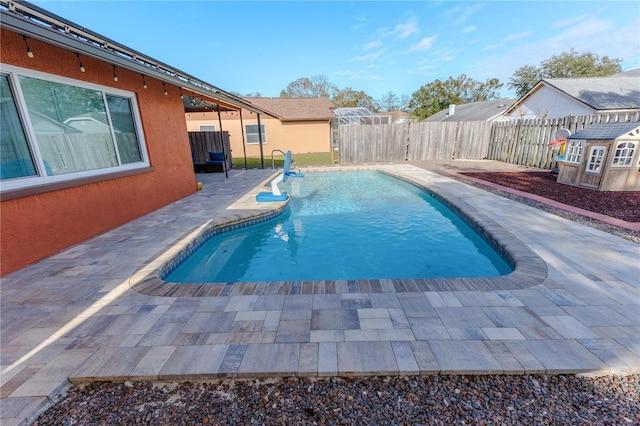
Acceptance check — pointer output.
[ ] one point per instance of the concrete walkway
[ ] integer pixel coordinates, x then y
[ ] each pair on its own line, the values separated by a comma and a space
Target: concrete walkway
74, 316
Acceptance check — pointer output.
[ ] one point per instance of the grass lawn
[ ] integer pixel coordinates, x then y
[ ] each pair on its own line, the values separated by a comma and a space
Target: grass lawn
309, 159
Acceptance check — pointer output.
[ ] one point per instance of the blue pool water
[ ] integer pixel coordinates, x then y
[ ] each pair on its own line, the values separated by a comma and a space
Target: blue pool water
339, 226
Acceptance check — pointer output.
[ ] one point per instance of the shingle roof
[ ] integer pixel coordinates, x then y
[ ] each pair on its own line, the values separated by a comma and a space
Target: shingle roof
297, 109
629, 73
601, 93
604, 131
474, 111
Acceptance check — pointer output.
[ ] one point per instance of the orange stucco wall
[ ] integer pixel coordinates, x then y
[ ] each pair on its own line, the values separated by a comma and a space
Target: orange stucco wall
298, 136
37, 226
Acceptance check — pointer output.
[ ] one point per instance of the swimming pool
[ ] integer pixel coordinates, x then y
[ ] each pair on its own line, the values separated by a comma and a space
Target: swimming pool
346, 226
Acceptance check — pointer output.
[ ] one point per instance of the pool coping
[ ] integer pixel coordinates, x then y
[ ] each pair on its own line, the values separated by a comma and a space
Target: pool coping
529, 268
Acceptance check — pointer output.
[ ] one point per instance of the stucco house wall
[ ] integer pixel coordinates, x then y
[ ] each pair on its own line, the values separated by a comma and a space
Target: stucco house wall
43, 221
300, 125
300, 136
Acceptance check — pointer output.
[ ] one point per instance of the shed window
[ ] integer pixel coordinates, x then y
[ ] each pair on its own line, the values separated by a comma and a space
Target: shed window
57, 129
623, 156
596, 157
575, 148
251, 131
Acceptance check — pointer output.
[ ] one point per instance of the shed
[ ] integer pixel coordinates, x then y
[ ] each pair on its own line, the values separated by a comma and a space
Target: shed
603, 156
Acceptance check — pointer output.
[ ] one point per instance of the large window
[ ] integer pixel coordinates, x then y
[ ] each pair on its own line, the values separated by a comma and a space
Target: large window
623, 156
575, 148
16, 159
56, 129
251, 132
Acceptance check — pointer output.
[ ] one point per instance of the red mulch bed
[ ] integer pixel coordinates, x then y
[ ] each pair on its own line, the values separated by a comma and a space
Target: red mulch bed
623, 205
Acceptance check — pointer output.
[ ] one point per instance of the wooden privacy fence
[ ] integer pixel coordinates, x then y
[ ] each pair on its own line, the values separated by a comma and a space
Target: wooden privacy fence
204, 142
413, 141
526, 142
523, 142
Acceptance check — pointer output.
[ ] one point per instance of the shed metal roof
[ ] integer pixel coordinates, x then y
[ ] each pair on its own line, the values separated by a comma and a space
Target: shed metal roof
605, 131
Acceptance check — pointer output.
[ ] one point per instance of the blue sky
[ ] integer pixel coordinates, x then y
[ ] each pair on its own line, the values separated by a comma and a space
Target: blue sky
378, 47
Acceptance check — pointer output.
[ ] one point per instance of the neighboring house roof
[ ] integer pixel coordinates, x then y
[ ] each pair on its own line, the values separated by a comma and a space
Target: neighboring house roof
601, 92
90, 122
605, 131
617, 92
296, 109
44, 124
629, 73
474, 111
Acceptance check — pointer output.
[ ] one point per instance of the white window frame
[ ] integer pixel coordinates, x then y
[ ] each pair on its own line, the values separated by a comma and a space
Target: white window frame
264, 133
575, 150
595, 160
623, 156
13, 74
206, 128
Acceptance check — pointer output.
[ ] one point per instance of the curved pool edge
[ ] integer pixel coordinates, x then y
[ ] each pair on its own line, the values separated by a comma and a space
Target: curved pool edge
529, 268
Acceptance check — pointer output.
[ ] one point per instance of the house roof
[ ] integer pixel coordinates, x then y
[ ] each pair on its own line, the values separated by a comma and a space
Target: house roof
39, 24
619, 91
297, 109
629, 73
475, 111
605, 131
600, 93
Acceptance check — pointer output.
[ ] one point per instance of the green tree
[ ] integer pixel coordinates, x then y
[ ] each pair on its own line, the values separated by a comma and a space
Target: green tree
313, 87
565, 65
392, 102
349, 98
438, 95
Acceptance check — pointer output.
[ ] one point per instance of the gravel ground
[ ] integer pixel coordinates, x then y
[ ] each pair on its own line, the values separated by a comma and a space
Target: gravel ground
400, 400
424, 400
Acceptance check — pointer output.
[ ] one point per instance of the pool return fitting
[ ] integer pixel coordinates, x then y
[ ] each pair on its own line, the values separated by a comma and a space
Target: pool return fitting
276, 194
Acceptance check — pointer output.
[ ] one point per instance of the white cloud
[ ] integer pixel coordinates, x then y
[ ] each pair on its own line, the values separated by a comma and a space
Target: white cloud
458, 15
372, 45
598, 36
361, 18
407, 29
360, 21
469, 29
518, 36
368, 57
352, 75
401, 31
507, 39
567, 22
424, 44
